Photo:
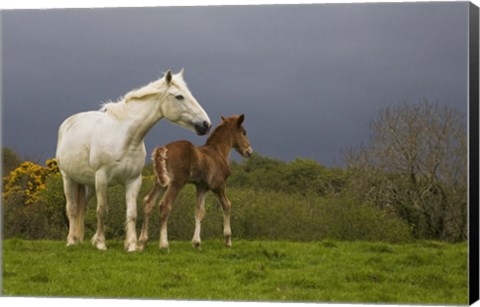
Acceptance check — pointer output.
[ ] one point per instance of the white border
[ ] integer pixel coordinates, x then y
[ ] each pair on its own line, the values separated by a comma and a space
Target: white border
48, 4
55, 4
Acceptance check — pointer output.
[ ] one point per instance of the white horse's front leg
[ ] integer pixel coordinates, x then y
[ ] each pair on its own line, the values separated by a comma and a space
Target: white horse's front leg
101, 191
132, 189
71, 192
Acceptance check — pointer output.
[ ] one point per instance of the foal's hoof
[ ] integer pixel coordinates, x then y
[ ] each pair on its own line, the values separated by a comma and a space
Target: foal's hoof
101, 246
140, 246
165, 248
131, 247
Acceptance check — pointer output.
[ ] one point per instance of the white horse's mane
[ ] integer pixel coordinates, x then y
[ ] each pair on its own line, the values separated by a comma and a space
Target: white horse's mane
119, 108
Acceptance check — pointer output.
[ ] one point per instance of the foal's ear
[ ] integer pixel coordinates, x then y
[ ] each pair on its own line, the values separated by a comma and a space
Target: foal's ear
168, 76
241, 118
223, 118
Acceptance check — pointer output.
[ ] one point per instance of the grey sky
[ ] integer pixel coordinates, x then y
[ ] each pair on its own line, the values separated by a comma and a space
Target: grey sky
308, 77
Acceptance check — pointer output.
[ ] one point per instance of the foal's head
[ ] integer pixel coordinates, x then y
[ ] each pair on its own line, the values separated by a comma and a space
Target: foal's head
231, 130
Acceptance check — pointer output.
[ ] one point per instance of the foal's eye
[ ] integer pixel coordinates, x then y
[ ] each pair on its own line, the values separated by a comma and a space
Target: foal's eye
179, 97
245, 133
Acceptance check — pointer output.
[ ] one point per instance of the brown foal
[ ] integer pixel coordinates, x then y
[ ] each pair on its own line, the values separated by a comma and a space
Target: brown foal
179, 163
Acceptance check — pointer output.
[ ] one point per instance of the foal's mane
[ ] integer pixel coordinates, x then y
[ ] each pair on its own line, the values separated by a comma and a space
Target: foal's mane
216, 133
222, 131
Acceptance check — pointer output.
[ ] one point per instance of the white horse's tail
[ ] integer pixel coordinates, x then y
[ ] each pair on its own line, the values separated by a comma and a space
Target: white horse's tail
159, 157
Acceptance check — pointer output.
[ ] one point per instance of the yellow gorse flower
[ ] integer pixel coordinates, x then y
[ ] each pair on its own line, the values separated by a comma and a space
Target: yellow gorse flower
29, 178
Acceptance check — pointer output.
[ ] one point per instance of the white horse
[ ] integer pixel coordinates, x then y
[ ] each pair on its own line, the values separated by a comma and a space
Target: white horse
101, 148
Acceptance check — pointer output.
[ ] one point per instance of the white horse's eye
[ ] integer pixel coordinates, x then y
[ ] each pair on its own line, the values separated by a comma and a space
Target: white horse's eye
179, 97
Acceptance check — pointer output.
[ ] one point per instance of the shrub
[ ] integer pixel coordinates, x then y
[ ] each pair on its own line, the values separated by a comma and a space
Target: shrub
44, 218
10, 161
302, 176
29, 178
257, 213
416, 163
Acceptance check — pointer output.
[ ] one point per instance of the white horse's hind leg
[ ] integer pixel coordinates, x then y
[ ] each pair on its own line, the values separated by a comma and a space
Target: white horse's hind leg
81, 204
71, 192
132, 188
101, 191
85, 193
199, 215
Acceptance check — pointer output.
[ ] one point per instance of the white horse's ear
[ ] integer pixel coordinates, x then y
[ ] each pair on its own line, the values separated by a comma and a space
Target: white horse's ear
182, 71
168, 76
223, 118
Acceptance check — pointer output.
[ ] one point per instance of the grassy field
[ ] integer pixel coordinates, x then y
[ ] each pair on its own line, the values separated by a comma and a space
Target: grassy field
328, 271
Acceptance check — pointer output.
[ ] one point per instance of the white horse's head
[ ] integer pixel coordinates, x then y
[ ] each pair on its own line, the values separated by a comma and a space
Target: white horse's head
180, 107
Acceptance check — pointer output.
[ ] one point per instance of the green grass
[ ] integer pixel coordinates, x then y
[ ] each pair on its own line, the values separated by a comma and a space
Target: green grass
328, 271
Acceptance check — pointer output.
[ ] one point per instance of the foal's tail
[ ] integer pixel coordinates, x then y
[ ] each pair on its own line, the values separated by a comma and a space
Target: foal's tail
159, 157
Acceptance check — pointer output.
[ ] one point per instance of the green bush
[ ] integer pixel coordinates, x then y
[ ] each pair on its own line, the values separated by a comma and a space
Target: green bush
258, 211
43, 219
10, 161
300, 176
271, 215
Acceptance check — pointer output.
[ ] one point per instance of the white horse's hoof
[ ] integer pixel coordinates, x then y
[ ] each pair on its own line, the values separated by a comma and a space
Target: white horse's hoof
99, 243
196, 244
71, 240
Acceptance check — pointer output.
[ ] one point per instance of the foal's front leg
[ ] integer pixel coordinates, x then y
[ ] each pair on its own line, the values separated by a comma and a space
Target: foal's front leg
226, 206
199, 215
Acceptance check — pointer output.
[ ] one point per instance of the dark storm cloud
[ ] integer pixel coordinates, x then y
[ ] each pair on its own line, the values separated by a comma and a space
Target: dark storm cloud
308, 77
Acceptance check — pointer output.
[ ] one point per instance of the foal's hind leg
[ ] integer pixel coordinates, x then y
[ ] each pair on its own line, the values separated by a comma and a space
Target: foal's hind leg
199, 215
148, 202
165, 207
226, 206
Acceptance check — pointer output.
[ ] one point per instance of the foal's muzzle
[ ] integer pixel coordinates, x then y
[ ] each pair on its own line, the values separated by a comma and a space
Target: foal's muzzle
202, 128
248, 152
